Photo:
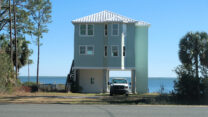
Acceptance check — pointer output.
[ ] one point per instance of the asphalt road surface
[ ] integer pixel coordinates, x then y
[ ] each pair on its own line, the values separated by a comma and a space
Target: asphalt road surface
65, 110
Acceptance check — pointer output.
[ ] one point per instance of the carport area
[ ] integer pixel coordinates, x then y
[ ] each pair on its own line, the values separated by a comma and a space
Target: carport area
127, 74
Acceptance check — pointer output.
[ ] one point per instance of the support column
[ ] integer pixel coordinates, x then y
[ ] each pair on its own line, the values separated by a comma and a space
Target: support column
133, 81
105, 81
141, 58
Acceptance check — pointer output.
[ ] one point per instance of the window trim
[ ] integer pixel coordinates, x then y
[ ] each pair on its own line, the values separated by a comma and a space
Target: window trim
86, 33
112, 51
112, 29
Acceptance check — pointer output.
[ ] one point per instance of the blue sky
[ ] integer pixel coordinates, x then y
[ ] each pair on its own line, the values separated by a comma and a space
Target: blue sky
169, 19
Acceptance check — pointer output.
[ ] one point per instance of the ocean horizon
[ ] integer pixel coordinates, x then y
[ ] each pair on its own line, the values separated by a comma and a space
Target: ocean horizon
154, 83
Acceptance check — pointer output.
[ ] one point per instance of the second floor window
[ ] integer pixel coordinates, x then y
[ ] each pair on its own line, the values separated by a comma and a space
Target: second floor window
86, 50
115, 29
106, 51
90, 50
114, 51
82, 50
86, 29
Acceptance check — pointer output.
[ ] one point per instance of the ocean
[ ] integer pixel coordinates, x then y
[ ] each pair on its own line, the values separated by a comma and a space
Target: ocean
154, 83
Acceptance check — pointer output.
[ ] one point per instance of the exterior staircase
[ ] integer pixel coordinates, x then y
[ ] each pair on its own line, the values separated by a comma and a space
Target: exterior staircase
70, 78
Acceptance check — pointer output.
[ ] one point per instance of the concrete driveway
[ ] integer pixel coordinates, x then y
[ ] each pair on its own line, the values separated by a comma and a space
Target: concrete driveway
66, 110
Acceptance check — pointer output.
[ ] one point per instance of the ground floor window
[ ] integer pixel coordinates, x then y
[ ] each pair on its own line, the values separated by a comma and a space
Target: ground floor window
92, 80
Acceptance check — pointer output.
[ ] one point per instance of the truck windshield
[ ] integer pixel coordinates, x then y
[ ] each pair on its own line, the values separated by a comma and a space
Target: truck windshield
119, 81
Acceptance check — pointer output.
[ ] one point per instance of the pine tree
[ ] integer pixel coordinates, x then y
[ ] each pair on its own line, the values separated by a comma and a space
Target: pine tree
41, 16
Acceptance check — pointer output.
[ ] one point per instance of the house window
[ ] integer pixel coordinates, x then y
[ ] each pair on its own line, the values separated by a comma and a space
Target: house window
90, 29
106, 51
82, 29
86, 29
106, 30
114, 51
90, 50
115, 29
92, 80
82, 50
86, 50
124, 51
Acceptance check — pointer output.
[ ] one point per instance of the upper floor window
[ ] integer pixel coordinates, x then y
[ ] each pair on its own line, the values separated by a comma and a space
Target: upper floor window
114, 51
106, 30
115, 29
106, 51
90, 29
86, 50
82, 50
90, 50
86, 29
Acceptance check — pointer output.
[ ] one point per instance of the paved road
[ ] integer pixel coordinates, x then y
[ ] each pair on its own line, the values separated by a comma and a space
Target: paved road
64, 110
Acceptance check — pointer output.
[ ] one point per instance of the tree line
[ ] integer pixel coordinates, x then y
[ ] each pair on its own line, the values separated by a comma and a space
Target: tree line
192, 82
20, 21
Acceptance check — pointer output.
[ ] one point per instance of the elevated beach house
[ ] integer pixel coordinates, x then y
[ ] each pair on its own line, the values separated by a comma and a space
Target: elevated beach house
107, 41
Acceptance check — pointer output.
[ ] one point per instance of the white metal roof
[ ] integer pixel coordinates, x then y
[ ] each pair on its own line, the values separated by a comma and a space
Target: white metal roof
106, 16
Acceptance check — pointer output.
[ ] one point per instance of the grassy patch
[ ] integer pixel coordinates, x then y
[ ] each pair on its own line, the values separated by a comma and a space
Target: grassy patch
82, 98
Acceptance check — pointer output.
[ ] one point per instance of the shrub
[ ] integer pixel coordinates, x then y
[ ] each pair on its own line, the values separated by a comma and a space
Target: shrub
7, 76
205, 87
187, 87
33, 86
75, 88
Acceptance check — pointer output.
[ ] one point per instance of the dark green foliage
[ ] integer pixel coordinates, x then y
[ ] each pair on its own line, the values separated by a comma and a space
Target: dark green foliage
23, 22
192, 83
187, 87
204, 84
23, 51
193, 52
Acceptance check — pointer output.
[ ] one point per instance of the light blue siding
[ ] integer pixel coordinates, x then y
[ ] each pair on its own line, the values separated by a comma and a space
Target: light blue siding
99, 41
141, 58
